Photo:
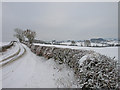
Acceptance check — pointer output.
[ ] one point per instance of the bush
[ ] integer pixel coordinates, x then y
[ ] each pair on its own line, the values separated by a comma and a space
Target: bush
98, 71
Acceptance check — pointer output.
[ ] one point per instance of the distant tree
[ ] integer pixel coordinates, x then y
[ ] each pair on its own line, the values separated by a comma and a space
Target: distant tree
87, 43
30, 35
73, 43
68, 40
53, 41
19, 34
81, 44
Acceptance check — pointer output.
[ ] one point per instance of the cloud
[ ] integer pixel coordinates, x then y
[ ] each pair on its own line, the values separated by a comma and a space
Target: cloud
61, 21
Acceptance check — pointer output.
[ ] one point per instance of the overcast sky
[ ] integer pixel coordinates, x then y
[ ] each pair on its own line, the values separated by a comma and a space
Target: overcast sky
61, 21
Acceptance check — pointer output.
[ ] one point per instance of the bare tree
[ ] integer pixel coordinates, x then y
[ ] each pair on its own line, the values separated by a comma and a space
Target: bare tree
19, 34
30, 35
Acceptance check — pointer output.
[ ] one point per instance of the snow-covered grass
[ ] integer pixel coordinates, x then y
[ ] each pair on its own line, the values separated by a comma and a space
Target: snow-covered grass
93, 44
4, 43
32, 71
66, 43
108, 51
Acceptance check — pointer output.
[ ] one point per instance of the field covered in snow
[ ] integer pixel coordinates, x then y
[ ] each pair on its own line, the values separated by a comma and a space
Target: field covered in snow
92, 44
108, 51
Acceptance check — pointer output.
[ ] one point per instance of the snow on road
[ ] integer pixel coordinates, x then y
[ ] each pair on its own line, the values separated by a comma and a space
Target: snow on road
14, 49
16, 54
31, 71
48, 74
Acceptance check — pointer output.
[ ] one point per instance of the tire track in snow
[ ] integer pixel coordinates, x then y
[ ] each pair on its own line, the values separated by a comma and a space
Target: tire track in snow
12, 50
11, 56
19, 71
14, 56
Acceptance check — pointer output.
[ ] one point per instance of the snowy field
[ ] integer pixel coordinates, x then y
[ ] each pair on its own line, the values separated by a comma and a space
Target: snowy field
92, 44
108, 51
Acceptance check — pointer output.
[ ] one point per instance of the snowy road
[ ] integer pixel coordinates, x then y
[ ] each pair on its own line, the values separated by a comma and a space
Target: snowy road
14, 49
12, 54
31, 71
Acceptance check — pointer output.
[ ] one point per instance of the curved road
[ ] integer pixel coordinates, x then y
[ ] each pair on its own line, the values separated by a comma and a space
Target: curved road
14, 53
31, 71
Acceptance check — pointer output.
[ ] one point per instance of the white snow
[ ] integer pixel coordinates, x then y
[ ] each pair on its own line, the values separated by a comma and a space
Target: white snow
113, 42
66, 43
48, 74
9, 52
82, 59
4, 43
108, 51
92, 44
31, 71
16, 56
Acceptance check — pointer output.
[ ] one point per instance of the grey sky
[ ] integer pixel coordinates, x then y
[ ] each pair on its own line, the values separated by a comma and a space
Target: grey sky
61, 21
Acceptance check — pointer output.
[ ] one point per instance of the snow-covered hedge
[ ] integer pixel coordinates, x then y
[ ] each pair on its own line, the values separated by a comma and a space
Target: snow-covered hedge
98, 71
92, 69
